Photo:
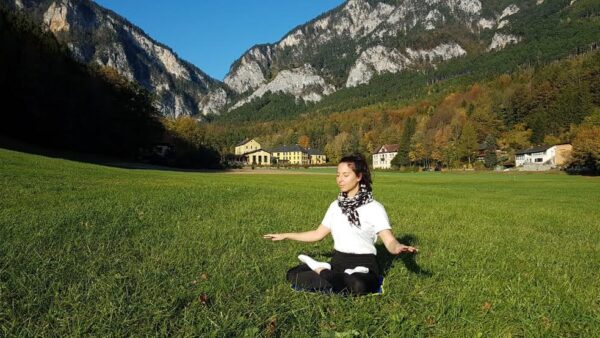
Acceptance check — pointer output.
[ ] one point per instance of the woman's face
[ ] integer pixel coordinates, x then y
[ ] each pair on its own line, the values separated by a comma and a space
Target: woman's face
347, 180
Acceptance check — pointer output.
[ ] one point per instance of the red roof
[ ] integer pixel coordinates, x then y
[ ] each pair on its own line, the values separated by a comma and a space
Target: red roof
388, 148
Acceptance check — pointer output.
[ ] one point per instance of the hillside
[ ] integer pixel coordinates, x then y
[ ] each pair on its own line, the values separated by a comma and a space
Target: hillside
98, 36
533, 105
367, 52
361, 53
52, 100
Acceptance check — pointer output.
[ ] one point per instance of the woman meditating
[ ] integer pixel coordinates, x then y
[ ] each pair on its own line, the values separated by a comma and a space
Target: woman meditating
354, 220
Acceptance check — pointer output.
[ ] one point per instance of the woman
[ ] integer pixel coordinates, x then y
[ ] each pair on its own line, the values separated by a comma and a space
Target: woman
354, 220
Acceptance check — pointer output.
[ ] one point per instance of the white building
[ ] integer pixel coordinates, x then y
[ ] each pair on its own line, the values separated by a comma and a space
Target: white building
382, 159
543, 157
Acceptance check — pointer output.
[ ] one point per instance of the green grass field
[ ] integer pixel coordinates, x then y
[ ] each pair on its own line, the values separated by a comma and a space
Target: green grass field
102, 251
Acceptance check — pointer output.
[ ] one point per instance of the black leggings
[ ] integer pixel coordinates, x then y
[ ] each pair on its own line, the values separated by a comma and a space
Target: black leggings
336, 280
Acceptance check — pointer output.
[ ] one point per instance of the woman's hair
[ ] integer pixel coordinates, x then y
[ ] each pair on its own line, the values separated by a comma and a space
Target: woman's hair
359, 165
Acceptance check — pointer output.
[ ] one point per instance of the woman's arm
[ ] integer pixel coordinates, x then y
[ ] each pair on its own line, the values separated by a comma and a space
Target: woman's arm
307, 236
392, 245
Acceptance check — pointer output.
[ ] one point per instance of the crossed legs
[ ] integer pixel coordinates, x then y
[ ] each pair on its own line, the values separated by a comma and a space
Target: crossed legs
357, 283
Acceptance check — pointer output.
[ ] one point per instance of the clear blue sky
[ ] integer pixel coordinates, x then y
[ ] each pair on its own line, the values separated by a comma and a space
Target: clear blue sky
212, 34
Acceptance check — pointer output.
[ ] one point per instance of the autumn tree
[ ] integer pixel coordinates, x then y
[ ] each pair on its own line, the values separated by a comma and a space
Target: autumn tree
186, 128
189, 142
439, 139
339, 146
304, 141
468, 142
586, 144
517, 138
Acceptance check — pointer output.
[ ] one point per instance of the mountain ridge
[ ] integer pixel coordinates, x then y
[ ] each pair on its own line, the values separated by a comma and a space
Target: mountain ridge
346, 47
98, 35
511, 20
353, 22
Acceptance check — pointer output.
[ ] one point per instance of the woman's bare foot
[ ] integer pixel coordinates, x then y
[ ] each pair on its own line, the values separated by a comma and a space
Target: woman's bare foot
316, 266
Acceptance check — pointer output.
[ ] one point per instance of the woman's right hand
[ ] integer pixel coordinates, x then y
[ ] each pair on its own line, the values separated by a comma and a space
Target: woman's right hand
274, 237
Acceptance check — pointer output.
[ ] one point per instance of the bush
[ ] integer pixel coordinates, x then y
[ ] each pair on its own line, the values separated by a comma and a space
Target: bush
478, 165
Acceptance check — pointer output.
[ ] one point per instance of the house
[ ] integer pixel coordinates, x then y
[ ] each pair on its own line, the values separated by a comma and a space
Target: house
382, 159
502, 157
316, 156
543, 157
162, 149
259, 156
291, 155
249, 151
481, 151
246, 146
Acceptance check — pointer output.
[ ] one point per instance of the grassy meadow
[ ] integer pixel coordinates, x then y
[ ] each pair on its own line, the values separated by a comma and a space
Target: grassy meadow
104, 251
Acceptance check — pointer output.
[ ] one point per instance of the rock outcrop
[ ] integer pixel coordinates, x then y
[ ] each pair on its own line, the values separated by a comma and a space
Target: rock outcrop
302, 82
499, 41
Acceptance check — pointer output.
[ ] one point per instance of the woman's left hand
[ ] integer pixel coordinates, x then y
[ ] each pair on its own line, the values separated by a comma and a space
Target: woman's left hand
392, 244
401, 248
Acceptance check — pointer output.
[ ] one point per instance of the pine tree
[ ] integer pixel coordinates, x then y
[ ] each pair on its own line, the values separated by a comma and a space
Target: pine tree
402, 159
490, 159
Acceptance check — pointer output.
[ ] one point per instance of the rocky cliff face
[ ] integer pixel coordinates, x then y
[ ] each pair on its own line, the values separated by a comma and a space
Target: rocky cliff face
98, 36
302, 82
349, 45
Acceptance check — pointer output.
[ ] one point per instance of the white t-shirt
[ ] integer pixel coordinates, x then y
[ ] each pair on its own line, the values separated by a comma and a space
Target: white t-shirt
351, 239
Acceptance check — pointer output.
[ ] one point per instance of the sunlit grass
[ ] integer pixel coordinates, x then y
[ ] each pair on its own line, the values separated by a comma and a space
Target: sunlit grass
96, 250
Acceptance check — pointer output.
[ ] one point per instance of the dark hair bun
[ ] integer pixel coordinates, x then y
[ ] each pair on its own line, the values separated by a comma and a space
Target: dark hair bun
359, 165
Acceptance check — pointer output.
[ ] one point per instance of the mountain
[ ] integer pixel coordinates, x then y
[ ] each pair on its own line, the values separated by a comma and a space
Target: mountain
361, 53
55, 102
95, 35
361, 40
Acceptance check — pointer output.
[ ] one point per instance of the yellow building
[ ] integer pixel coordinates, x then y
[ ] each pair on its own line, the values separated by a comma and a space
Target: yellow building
316, 156
246, 146
291, 155
260, 157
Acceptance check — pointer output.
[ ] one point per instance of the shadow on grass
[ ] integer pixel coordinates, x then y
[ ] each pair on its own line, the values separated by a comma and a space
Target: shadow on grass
92, 158
386, 260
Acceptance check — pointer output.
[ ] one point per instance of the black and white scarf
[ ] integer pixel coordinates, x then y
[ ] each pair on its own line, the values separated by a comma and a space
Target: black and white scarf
350, 204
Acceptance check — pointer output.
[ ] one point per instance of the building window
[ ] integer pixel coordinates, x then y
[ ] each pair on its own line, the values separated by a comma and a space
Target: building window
538, 160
